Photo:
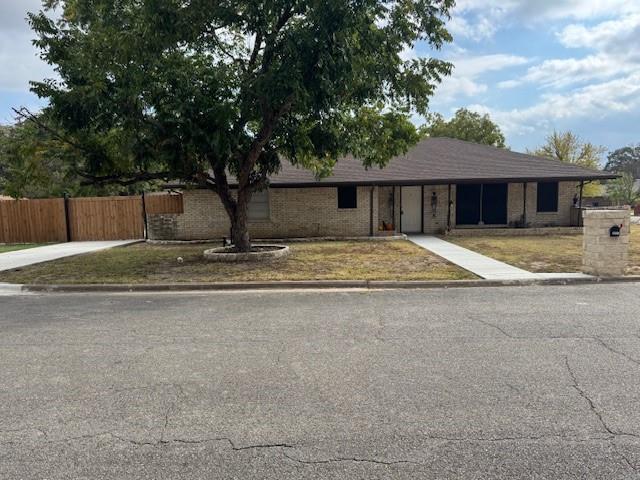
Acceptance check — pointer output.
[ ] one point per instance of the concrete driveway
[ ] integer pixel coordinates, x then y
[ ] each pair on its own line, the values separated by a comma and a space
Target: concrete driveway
478, 383
31, 256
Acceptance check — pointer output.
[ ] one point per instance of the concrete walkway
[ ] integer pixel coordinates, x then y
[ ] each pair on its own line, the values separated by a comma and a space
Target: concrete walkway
30, 256
478, 264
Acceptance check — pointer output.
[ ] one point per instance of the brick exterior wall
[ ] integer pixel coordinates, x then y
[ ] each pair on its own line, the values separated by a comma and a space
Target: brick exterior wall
293, 212
515, 204
435, 220
313, 212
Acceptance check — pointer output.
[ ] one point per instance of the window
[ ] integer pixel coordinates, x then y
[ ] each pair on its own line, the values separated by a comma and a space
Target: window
347, 197
547, 197
259, 206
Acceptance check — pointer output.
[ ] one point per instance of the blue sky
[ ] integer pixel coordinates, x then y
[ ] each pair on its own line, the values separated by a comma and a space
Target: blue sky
533, 65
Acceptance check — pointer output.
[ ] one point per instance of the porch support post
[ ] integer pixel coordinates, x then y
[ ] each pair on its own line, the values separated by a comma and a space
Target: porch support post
524, 204
449, 208
393, 207
581, 188
422, 209
400, 219
371, 211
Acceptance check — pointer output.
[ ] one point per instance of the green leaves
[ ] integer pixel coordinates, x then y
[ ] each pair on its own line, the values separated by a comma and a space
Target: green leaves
466, 125
623, 190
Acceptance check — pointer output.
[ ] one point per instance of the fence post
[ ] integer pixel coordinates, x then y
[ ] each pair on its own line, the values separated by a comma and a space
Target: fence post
144, 217
66, 216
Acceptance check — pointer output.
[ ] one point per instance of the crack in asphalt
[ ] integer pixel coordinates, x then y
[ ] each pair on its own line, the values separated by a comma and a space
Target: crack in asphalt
517, 438
586, 397
494, 326
600, 418
351, 459
613, 350
626, 460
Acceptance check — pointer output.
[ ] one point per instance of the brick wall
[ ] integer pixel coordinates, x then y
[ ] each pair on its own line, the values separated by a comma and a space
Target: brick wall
435, 221
312, 212
293, 212
566, 191
604, 255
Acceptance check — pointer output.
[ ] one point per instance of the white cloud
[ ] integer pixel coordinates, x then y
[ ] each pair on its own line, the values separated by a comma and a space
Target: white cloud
593, 101
467, 69
615, 36
527, 11
480, 28
616, 53
558, 73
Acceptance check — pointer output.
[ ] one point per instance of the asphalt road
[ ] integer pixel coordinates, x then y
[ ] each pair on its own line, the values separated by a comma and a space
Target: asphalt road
523, 382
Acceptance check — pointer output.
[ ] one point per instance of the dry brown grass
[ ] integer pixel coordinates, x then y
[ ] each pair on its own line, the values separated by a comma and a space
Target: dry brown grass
553, 253
145, 263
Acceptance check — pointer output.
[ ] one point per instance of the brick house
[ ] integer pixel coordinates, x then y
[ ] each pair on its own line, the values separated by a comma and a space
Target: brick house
438, 185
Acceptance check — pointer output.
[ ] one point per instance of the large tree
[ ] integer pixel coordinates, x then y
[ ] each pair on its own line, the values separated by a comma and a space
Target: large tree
466, 125
624, 160
216, 92
569, 148
623, 190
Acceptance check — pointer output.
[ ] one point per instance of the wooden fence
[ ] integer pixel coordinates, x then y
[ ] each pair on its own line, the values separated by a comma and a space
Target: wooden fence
81, 219
37, 221
163, 203
105, 218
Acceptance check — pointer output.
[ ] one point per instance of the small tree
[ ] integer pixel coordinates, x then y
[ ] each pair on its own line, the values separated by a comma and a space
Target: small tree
216, 92
626, 159
569, 148
623, 190
466, 125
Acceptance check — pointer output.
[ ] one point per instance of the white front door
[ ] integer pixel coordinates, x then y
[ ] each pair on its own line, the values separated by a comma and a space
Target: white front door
411, 209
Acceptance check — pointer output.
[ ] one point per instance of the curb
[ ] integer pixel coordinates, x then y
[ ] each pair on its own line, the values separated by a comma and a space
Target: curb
318, 284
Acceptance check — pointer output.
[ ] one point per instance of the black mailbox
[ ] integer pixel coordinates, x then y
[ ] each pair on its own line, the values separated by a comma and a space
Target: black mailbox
614, 231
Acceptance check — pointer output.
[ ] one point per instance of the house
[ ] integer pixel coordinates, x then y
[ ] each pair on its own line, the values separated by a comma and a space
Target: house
439, 184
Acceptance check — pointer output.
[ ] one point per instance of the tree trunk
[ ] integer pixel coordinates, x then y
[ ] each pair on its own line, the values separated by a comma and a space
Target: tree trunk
239, 227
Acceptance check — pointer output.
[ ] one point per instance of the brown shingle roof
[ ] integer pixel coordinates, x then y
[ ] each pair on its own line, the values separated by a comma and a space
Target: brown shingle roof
443, 160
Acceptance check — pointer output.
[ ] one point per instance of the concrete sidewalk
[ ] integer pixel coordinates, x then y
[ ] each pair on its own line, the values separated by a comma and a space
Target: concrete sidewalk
31, 256
481, 265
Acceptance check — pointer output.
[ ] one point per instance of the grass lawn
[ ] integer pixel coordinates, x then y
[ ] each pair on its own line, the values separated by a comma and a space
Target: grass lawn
17, 246
553, 253
146, 263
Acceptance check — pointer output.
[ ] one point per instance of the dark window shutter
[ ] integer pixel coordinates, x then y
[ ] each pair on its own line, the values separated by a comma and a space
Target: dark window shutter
547, 197
347, 197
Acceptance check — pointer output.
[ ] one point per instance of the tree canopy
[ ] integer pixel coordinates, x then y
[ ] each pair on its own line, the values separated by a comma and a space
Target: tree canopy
466, 125
36, 164
624, 160
569, 148
623, 190
214, 93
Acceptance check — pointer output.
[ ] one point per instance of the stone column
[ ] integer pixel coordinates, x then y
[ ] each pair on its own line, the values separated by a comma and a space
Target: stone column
605, 249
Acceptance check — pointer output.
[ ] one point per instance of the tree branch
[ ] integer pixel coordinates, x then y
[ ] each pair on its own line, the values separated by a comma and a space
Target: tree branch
121, 179
26, 115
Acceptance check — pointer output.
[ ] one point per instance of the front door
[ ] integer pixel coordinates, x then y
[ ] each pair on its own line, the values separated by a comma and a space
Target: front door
411, 211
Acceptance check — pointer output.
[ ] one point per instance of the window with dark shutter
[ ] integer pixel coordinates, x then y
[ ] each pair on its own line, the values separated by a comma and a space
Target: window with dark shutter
547, 197
347, 197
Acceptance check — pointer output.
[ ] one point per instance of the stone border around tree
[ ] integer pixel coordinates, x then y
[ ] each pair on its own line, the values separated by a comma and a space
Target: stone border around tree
264, 252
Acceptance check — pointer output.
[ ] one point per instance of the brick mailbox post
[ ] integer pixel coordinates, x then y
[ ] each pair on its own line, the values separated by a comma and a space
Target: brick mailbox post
606, 241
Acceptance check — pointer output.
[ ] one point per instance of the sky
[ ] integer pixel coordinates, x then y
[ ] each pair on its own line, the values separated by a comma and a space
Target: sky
533, 65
